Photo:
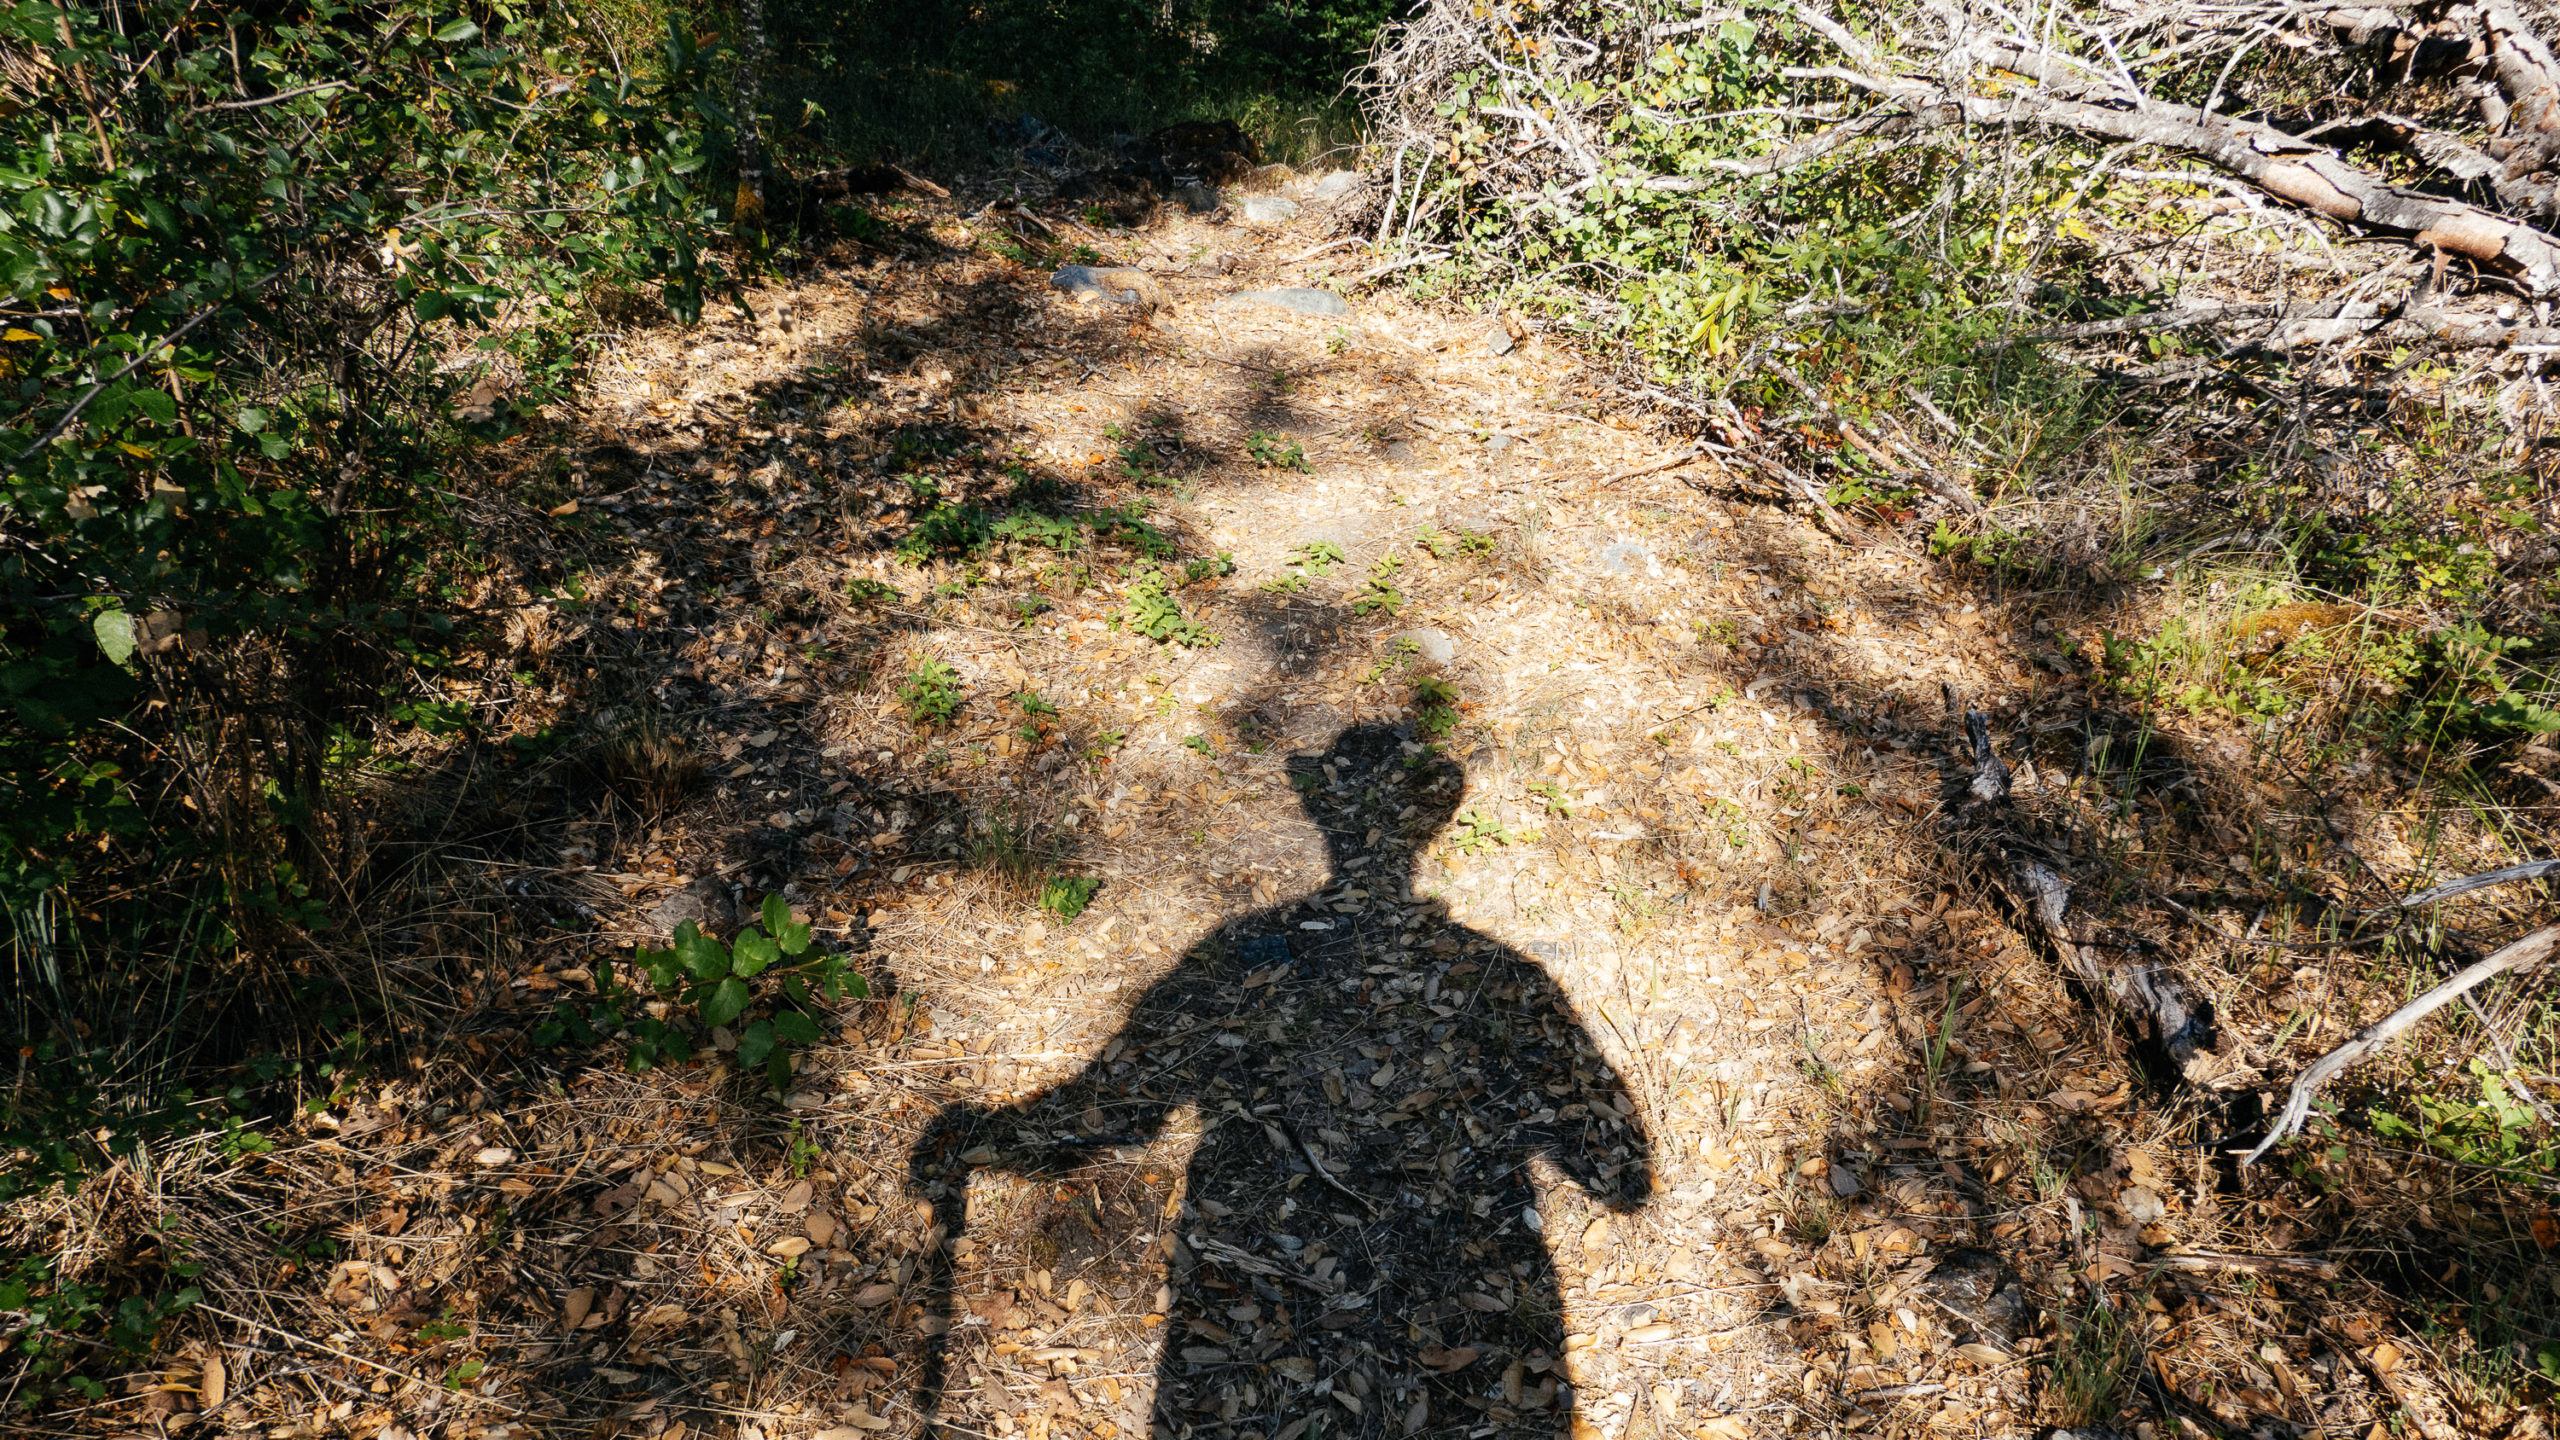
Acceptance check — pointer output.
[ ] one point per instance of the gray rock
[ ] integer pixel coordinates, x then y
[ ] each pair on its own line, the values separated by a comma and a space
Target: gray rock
1844, 1181
1498, 339
1296, 298
1629, 1317
1336, 185
1121, 286
2142, 1203
1267, 209
1198, 199
1432, 645
1500, 443
1625, 557
706, 902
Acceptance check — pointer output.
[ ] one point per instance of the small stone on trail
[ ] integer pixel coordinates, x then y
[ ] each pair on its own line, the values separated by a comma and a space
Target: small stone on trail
1267, 209
705, 902
1336, 185
1121, 285
1298, 298
1626, 557
1432, 645
1844, 1181
2142, 1203
1198, 199
1498, 339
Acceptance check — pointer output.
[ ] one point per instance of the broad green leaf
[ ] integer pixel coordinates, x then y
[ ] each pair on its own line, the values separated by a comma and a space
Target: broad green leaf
794, 939
704, 958
454, 32
116, 634
754, 1045
857, 987
157, 405
754, 951
795, 1027
253, 419
725, 1002
777, 915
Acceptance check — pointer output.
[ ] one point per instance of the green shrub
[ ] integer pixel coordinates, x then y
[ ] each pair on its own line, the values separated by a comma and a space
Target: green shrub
772, 972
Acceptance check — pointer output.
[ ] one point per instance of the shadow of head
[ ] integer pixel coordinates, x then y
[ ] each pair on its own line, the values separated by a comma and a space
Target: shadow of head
1375, 794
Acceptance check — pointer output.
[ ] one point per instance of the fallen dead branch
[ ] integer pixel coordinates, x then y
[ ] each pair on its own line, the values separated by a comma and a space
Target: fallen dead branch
2524, 954
2158, 1002
2075, 96
2530, 870
2209, 1262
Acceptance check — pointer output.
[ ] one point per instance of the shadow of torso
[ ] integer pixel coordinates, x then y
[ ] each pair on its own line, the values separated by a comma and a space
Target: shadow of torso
1356, 1240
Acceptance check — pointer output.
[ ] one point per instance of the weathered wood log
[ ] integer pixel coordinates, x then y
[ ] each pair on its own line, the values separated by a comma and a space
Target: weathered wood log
2157, 1002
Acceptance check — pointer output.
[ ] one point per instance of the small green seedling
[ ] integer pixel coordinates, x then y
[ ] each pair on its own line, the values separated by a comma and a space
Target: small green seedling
1318, 557
932, 692
1273, 451
1066, 896
719, 984
1435, 706
1381, 593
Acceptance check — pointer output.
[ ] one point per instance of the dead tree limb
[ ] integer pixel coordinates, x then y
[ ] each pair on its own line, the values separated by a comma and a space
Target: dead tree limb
2074, 96
2524, 954
2156, 1001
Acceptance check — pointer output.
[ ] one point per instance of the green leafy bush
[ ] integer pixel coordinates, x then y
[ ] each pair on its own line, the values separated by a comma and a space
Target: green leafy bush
773, 973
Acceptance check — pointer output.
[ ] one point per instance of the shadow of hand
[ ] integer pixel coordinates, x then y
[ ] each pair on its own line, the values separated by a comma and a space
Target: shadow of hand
936, 1170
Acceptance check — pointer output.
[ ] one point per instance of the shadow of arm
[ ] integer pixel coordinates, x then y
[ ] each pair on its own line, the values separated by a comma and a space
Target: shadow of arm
1023, 1139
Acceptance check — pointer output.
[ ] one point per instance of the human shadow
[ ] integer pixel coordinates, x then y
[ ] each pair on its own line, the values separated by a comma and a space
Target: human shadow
1358, 1242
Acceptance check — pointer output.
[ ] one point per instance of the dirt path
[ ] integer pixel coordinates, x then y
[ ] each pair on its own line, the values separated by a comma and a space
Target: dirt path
1609, 1098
